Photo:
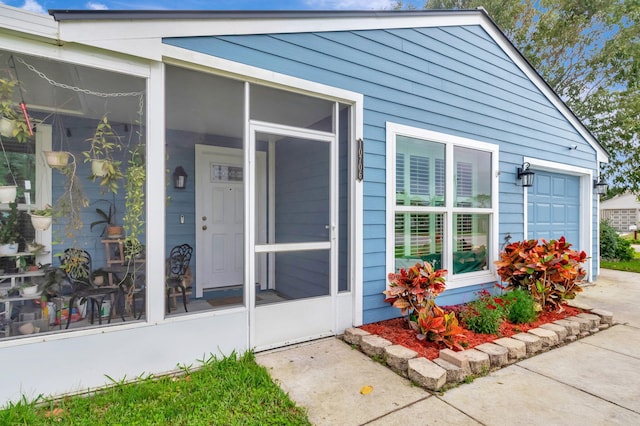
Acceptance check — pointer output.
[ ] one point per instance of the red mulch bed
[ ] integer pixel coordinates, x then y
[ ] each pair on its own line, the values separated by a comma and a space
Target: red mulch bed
397, 331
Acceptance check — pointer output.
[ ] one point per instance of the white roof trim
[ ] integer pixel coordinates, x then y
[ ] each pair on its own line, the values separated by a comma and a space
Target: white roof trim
143, 38
34, 24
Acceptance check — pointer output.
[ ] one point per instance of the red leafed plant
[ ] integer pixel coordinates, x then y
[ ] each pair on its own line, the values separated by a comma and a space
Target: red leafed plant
435, 325
410, 289
549, 271
413, 291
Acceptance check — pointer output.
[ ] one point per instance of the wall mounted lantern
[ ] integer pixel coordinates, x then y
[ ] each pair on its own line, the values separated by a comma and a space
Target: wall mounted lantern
180, 178
525, 175
600, 186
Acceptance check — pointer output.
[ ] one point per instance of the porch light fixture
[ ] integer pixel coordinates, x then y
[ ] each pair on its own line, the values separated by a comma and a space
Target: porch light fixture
525, 175
600, 186
180, 178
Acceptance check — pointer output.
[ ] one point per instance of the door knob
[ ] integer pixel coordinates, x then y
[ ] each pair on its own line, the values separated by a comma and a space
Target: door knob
204, 227
204, 218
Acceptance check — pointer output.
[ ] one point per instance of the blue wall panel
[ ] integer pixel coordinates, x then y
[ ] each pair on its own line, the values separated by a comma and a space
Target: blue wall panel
454, 80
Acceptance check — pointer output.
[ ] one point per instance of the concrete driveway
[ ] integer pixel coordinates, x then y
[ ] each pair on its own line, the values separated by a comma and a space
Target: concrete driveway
594, 381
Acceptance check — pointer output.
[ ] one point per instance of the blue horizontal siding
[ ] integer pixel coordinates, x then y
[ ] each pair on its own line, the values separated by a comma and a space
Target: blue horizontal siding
454, 80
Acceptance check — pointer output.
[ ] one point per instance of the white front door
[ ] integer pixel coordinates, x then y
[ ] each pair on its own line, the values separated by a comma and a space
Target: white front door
220, 218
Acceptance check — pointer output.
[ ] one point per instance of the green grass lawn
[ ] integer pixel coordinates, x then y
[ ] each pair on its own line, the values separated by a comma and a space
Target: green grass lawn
631, 265
228, 391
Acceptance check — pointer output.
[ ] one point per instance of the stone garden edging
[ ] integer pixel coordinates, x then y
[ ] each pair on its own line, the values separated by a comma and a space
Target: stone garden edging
453, 367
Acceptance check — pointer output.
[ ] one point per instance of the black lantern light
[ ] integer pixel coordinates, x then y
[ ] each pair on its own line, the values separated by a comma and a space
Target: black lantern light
180, 178
600, 186
525, 175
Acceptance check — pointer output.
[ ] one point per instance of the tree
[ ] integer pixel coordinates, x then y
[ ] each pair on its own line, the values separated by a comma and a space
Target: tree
589, 53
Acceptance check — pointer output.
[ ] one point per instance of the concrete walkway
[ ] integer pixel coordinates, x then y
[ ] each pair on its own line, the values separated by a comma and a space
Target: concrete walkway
593, 381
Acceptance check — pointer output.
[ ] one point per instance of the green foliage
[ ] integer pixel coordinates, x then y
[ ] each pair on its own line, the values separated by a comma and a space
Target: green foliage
483, 315
549, 271
103, 142
630, 265
232, 390
46, 211
9, 226
612, 246
519, 306
9, 110
107, 217
136, 176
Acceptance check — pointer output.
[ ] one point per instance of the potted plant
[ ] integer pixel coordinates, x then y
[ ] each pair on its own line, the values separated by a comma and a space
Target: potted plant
108, 219
13, 122
41, 218
9, 231
103, 142
8, 193
57, 159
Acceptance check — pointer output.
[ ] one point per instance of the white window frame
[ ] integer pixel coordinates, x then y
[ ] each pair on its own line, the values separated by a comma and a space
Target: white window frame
448, 210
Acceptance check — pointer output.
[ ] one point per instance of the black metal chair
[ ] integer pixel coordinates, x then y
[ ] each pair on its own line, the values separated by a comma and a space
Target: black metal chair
77, 265
177, 264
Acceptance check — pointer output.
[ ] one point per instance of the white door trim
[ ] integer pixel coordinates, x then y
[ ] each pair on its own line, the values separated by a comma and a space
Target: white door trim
201, 150
586, 203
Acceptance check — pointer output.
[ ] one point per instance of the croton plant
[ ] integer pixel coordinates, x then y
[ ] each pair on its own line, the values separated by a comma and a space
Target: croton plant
550, 271
413, 291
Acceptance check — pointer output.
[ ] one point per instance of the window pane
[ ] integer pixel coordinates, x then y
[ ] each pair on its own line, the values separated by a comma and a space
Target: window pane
471, 232
473, 178
420, 172
418, 237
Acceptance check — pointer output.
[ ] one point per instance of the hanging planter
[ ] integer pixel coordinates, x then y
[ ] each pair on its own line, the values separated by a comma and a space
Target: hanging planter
99, 168
8, 193
41, 223
103, 142
7, 126
57, 159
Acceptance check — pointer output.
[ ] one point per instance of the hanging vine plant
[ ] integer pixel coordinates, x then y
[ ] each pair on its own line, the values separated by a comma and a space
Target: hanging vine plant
136, 176
71, 202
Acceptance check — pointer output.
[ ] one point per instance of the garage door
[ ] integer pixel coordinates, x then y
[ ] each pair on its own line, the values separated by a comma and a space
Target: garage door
554, 207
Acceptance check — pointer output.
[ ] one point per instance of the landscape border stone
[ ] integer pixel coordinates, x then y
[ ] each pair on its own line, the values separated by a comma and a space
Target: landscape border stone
454, 367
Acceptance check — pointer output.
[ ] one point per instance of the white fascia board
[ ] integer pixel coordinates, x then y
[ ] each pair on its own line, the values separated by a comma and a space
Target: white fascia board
29, 23
95, 30
78, 54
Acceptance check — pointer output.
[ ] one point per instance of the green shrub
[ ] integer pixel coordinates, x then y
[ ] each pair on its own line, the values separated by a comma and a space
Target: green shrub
484, 315
520, 306
613, 246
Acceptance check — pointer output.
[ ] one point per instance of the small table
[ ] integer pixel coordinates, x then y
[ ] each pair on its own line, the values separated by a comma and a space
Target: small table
121, 273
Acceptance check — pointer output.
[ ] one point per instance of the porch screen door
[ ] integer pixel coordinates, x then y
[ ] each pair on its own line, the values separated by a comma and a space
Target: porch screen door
299, 248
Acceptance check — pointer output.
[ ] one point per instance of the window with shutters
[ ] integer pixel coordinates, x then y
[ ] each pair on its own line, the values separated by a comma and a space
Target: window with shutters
443, 208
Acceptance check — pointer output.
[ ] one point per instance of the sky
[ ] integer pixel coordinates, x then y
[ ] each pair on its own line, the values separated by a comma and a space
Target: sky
42, 6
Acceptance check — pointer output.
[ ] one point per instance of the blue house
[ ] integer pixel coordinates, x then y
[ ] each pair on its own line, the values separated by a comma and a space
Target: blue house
302, 156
